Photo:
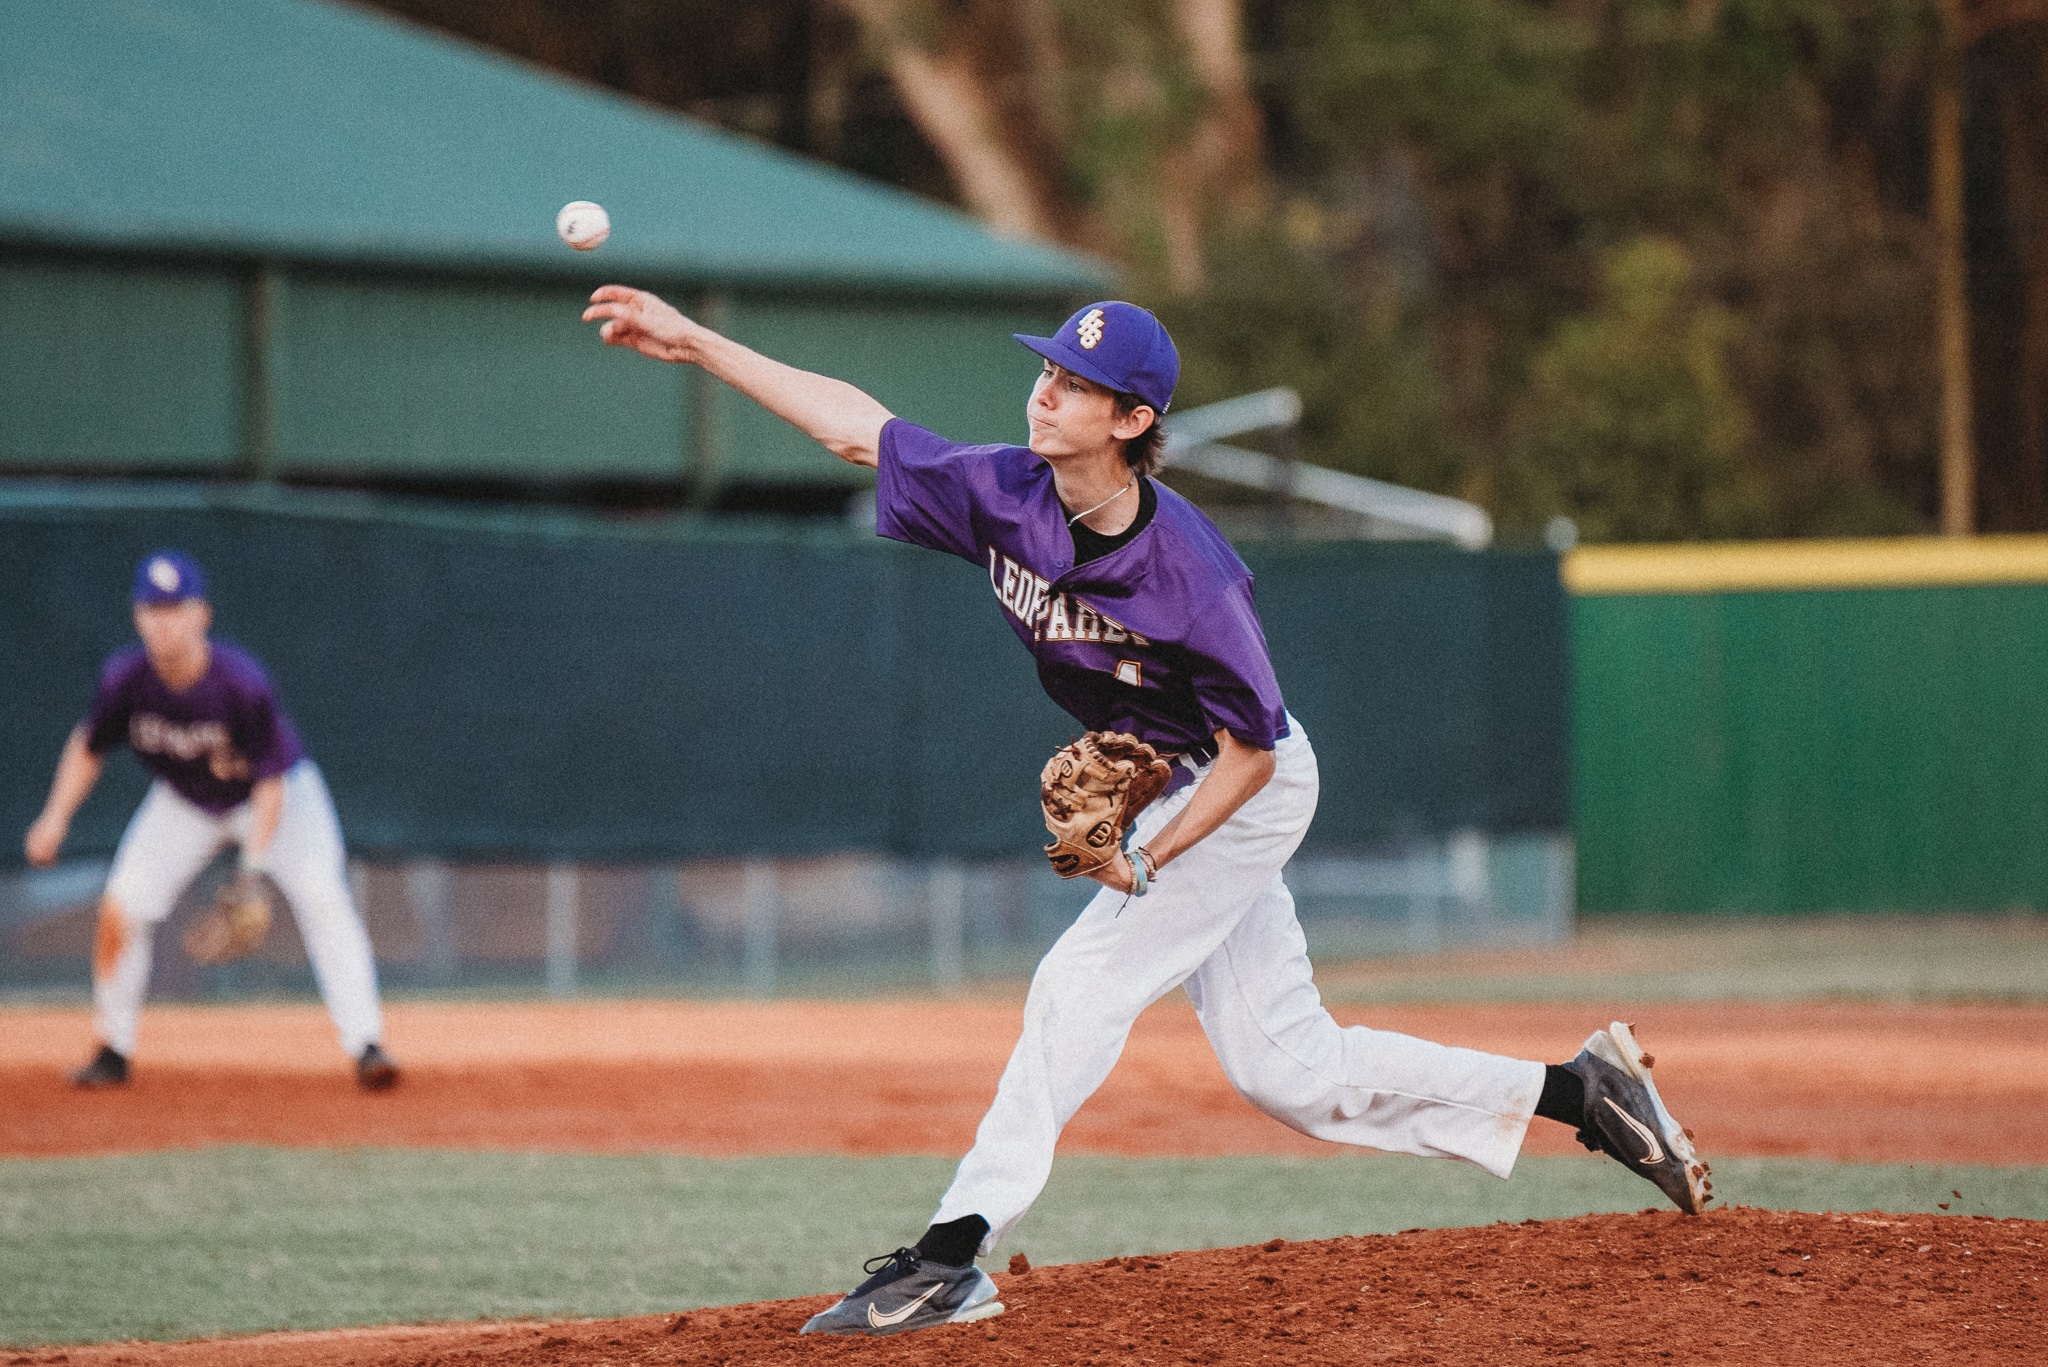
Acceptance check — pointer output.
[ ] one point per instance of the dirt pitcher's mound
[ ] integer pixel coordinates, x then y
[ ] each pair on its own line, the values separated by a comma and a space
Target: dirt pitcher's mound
1736, 1286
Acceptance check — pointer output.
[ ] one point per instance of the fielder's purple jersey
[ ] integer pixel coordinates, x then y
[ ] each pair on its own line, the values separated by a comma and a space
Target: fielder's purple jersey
1158, 638
212, 741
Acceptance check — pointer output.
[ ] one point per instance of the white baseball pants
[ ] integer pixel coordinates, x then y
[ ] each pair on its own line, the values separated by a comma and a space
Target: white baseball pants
169, 840
1221, 923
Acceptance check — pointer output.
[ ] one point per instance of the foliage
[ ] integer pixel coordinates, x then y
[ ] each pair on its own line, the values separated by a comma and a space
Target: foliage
1424, 214
1273, 315
1629, 423
1553, 149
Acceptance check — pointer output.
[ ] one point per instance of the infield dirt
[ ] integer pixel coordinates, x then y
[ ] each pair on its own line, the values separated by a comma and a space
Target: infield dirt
1852, 1082
1735, 1286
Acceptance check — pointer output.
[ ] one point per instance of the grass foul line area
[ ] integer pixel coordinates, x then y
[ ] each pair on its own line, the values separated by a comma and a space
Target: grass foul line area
238, 1240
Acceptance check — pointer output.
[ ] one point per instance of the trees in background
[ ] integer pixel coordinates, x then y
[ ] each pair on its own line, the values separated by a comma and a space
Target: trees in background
1664, 266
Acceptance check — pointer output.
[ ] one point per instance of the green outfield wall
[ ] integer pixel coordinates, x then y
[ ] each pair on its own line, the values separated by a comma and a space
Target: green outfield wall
1847, 726
532, 686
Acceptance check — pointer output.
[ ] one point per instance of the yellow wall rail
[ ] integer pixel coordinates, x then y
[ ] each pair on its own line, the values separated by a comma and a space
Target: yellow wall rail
1766, 566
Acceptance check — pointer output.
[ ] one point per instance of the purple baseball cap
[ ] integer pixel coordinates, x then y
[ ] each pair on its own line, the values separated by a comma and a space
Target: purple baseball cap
1116, 344
168, 577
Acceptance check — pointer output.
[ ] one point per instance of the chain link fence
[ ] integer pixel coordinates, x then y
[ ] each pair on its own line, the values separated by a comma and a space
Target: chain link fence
829, 925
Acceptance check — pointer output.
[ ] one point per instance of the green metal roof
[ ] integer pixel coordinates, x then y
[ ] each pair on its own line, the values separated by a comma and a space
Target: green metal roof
315, 131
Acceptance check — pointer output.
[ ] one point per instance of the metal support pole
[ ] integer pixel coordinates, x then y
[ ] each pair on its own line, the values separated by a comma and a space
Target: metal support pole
1286, 457
359, 889
427, 886
561, 934
759, 906
1564, 889
665, 914
1467, 860
262, 296
1426, 880
946, 895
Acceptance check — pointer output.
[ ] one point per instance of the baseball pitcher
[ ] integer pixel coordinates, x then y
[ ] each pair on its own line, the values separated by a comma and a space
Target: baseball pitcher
1185, 801
228, 768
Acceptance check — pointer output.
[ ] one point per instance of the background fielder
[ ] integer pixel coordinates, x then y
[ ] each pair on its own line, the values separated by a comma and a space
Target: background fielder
228, 768
1141, 619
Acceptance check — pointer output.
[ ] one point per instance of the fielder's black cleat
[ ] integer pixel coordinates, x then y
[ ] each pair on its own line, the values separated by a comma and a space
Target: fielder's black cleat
375, 1072
1626, 1119
905, 1292
107, 1069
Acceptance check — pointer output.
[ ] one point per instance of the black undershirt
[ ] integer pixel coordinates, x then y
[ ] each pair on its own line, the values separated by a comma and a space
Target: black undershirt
1564, 1096
1093, 545
954, 1243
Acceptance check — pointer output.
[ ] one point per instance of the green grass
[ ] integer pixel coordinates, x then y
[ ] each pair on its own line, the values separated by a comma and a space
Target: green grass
244, 1239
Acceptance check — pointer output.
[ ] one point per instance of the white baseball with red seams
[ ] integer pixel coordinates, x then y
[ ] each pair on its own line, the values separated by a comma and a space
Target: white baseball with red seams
583, 224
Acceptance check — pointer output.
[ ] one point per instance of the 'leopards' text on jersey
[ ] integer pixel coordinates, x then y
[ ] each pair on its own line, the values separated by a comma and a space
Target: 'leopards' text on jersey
1052, 616
210, 742
1159, 637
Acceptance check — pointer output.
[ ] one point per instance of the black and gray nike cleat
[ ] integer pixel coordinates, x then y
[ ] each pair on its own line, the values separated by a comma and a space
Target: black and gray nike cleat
107, 1069
375, 1072
1626, 1119
905, 1292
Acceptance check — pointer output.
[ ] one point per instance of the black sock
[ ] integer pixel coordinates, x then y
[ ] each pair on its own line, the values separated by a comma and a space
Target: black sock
955, 1242
1564, 1096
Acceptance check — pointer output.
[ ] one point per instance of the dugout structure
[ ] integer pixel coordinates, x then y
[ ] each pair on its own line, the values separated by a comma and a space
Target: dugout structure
293, 240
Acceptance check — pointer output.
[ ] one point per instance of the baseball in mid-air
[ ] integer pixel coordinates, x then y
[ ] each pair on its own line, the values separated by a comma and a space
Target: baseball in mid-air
583, 225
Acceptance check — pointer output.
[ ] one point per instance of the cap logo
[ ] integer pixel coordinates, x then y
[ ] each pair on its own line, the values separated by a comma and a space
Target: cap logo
164, 575
1090, 329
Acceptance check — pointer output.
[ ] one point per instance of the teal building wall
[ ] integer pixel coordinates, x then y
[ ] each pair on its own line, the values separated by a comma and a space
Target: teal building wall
313, 373
297, 239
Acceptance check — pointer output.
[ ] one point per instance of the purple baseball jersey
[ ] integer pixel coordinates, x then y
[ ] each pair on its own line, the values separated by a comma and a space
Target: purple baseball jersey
212, 741
1158, 638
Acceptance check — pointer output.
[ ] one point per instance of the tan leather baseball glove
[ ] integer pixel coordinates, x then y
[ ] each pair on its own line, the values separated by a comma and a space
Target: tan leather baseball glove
235, 926
1092, 790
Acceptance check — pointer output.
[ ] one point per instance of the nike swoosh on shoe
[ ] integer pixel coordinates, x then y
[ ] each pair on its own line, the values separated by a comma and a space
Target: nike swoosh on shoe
895, 1317
1656, 1154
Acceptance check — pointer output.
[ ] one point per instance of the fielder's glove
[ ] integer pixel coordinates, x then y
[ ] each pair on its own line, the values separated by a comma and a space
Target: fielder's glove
1092, 790
235, 925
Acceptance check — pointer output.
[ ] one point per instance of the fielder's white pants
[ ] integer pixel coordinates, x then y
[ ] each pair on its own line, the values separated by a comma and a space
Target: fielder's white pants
169, 840
1220, 922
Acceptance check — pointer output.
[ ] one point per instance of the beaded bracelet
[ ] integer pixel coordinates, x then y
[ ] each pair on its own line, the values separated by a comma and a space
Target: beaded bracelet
1143, 871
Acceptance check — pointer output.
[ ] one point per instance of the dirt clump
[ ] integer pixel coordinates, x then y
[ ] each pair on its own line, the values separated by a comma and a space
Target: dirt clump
1734, 1286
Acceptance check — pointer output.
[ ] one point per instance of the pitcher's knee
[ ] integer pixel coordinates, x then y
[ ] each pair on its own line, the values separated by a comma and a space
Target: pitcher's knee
1292, 1104
1066, 972
109, 938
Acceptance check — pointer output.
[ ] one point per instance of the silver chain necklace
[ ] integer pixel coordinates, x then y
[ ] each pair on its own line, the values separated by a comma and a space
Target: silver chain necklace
1106, 502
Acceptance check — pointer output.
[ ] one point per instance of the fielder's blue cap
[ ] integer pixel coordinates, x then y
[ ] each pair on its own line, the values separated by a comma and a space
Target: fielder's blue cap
1117, 344
168, 577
